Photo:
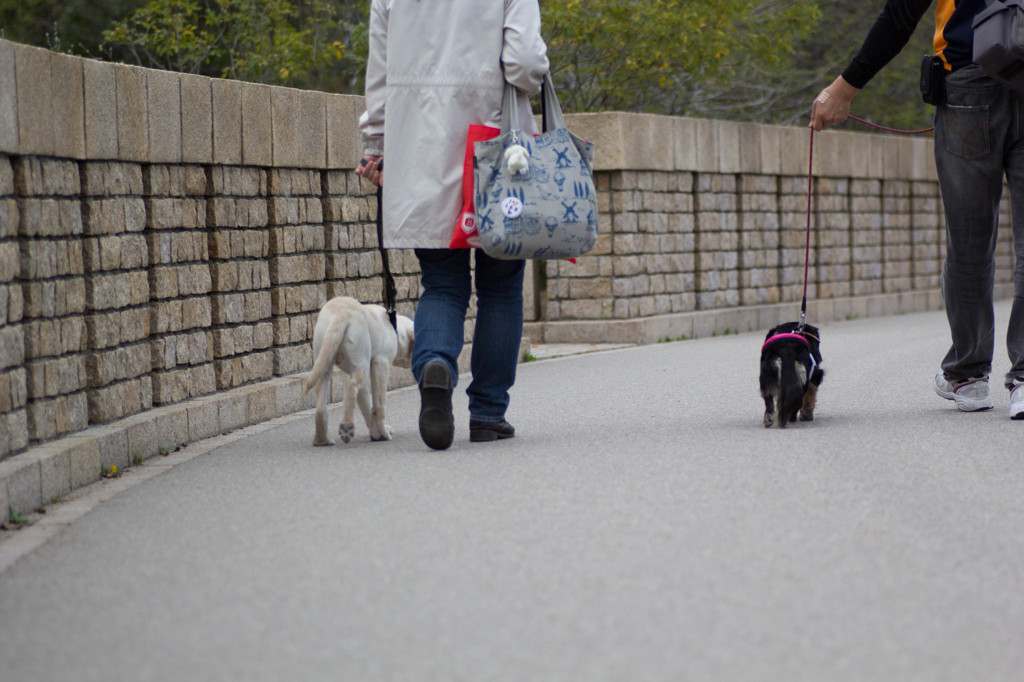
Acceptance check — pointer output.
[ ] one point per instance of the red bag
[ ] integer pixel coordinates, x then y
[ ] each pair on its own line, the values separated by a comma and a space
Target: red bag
465, 236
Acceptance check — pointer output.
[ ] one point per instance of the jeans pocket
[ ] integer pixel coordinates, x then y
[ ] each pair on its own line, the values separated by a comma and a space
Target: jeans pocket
965, 130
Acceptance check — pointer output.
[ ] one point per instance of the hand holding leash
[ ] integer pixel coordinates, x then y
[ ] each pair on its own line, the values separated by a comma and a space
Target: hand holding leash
832, 105
372, 168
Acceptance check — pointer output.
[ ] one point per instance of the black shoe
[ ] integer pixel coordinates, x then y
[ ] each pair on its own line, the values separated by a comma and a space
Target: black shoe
481, 431
437, 424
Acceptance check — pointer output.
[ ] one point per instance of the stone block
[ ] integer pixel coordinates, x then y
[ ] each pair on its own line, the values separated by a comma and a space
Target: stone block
112, 443
257, 127
111, 179
15, 431
83, 460
24, 487
6, 181
299, 128
795, 143
344, 145
608, 132
10, 260
261, 400
289, 394
292, 359
170, 387
12, 346
684, 143
100, 109
771, 149
227, 122
233, 411
141, 434
163, 93
196, 119
35, 96
54, 463
69, 107
105, 292
203, 419
5, 500
729, 147
8, 105
114, 401
171, 428
749, 147
42, 177
707, 146
132, 114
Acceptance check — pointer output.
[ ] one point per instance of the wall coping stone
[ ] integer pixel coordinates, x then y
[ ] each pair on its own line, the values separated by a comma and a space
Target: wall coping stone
166, 117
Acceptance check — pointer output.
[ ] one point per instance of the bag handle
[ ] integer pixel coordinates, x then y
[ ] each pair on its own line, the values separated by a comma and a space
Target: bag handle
553, 118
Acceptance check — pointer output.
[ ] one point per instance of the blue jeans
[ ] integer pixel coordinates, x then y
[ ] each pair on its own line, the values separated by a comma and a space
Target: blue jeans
441, 316
978, 138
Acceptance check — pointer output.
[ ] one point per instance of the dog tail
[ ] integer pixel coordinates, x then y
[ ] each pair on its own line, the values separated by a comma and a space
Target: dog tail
792, 380
324, 361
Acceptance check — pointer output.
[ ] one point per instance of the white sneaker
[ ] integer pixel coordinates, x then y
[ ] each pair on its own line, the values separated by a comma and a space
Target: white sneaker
1017, 402
970, 396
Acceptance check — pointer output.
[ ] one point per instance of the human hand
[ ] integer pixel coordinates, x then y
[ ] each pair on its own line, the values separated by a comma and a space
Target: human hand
371, 168
832, 105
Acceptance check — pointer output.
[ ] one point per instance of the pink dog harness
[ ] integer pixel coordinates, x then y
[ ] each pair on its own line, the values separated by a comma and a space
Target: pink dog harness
780, 337
794, 337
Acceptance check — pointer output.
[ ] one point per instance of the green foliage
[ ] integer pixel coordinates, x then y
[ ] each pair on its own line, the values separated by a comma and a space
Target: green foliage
302, 43
70, 26
648, 56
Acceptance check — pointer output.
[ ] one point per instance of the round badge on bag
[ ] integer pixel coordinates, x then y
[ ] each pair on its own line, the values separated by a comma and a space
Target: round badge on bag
511, 207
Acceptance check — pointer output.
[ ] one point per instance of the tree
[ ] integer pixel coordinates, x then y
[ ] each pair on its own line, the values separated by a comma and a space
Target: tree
784, 94
653, 55
307, 43
70, 26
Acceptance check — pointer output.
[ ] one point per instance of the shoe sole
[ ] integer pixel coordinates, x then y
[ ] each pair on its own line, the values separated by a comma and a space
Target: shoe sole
437, 423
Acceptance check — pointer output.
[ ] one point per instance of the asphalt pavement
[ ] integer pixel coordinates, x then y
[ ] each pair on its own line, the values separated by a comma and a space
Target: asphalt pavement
642, 525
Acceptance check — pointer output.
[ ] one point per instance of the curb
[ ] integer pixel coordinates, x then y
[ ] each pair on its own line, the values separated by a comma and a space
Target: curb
48, 472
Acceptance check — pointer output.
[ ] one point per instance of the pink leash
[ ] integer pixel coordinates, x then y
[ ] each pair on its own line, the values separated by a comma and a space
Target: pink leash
810, 187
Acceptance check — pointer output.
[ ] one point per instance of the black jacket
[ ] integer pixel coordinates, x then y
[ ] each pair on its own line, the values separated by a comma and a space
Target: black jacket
894, 26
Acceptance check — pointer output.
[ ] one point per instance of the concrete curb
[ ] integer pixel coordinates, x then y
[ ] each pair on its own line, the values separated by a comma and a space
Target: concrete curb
49, 472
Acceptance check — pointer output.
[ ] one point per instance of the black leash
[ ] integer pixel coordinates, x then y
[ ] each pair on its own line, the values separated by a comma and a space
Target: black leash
390, 293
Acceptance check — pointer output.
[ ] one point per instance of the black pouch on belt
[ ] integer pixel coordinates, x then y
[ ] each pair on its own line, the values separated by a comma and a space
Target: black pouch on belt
933, 81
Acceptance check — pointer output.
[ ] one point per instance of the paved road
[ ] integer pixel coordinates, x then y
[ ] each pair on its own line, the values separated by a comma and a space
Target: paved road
642, 526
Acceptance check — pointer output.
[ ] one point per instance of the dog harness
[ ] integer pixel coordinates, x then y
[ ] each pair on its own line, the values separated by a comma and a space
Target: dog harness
794, 337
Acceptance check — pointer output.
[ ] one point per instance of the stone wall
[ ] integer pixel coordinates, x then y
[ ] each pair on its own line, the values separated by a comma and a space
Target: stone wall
166, 241
704, 229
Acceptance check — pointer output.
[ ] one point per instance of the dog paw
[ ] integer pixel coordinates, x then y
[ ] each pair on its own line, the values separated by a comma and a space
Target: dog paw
326, 441
347, 432
806, 416
769, 420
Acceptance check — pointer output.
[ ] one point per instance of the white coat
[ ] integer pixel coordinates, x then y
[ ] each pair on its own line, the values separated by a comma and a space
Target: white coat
434, 68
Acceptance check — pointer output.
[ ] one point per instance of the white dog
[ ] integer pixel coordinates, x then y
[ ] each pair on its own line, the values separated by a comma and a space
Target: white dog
360, 340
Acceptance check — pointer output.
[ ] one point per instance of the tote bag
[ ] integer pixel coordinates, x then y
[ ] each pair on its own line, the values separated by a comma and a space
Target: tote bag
550, 209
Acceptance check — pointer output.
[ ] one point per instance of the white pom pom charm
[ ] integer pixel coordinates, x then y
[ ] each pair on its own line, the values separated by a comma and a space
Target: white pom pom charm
517, 159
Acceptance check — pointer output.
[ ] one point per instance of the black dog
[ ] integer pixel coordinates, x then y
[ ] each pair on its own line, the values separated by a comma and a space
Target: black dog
790, 373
